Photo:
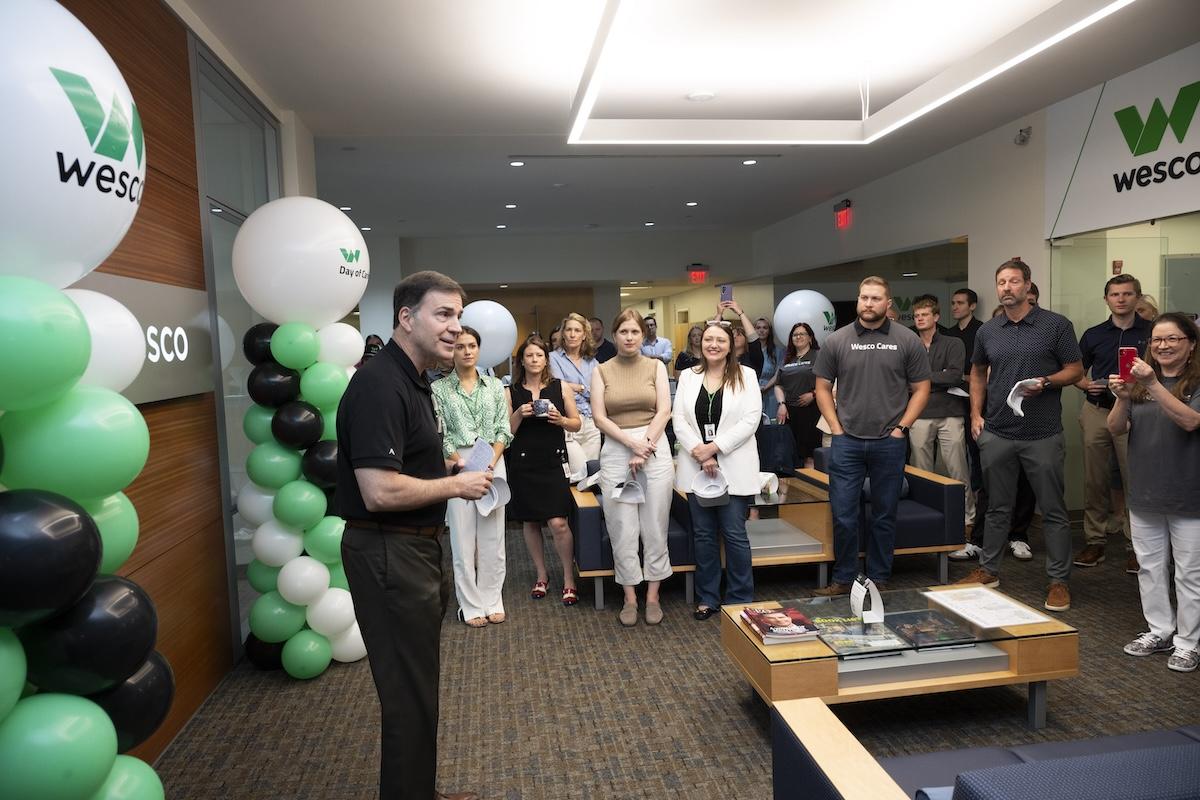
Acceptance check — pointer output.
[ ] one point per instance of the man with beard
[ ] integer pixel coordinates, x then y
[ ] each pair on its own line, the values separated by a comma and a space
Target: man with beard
883, 380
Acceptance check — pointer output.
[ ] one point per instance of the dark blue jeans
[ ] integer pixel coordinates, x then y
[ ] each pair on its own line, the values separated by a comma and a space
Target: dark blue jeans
730, 520
852, 460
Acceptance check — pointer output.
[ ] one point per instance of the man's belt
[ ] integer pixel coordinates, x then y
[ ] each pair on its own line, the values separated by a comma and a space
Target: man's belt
428, 531
1101, 400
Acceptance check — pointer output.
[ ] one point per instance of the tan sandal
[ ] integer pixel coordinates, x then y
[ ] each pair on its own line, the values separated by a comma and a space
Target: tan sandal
477, 622
496, 617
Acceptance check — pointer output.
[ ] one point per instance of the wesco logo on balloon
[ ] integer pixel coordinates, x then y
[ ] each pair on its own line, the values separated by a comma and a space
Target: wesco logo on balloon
166, 343
109, 135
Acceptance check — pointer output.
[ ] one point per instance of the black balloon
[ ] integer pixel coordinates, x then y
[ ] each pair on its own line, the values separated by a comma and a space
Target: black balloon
319, 464
256, 344
139, 704
96, 643
264, 655
297, 424
272, 385
49, 552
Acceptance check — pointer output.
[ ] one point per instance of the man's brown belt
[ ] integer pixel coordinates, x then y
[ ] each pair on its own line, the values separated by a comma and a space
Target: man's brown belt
430, 531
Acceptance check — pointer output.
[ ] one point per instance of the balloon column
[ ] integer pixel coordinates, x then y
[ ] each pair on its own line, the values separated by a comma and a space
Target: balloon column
302, 264
80, 680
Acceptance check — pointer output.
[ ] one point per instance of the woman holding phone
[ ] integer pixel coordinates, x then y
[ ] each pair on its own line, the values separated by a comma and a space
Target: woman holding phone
541, 413
1160, 409
631, 403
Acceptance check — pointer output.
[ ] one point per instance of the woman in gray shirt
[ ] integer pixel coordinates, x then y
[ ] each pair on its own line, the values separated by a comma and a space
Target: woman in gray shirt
1161, 411
794, 391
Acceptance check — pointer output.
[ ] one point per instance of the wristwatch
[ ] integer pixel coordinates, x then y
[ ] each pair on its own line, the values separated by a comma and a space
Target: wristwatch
904, 429
1046, 384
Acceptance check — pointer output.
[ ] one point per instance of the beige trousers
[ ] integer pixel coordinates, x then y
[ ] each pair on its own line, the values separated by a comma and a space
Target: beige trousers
940, 445
645, 523
1099, 519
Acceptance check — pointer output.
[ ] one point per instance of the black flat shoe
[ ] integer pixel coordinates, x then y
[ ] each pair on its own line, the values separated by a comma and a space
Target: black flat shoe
703, 613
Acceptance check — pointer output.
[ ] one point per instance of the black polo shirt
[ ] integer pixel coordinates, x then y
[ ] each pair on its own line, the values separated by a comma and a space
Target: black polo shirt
386, 420
1041, 344
967, 337
1099, 345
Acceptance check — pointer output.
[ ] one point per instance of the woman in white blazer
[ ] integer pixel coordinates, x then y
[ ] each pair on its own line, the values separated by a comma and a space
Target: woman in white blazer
716, 413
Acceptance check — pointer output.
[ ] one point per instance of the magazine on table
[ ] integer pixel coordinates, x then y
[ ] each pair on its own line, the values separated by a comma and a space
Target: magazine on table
780, 625
929, 629
850, 637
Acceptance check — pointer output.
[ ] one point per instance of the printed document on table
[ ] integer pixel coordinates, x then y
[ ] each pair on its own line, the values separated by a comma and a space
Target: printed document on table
985, 608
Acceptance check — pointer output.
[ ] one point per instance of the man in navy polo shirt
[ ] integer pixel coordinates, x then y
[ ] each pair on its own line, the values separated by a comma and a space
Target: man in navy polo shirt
883, 380
1026, 344
1099, 346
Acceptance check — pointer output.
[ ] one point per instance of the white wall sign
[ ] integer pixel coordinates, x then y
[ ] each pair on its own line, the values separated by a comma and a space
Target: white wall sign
1126, 151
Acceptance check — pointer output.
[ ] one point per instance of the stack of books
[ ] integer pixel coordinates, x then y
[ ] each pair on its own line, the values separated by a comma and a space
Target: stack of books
780, 625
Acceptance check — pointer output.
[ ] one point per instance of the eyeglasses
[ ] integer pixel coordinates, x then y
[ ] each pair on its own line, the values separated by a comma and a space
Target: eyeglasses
714, 322
1169, 340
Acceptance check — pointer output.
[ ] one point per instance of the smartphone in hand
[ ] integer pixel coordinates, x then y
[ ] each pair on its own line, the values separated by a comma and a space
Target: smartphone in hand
726, 292
1125, 359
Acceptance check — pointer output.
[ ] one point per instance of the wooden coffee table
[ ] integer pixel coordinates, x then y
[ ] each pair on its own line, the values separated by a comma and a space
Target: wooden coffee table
1032, 654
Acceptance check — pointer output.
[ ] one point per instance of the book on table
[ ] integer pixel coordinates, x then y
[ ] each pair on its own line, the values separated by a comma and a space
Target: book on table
780, 625
928, 628
850, 637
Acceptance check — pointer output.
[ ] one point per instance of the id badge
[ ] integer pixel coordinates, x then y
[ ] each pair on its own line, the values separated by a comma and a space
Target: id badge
710, 432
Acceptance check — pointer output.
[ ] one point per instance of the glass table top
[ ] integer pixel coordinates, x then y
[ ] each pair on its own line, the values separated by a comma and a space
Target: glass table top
792, 491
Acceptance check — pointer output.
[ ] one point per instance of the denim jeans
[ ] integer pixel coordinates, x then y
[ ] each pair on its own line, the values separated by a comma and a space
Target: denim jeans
730, 520
852, 460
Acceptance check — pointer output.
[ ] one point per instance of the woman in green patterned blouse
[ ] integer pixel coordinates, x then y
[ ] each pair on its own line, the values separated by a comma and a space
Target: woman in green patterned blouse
472, 407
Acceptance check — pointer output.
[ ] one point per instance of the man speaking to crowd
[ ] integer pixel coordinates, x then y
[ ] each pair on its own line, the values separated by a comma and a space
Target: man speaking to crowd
392, 488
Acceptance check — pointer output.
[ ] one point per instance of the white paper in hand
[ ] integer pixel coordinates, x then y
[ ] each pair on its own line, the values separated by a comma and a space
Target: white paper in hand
1017, 394
957, 392
480, 457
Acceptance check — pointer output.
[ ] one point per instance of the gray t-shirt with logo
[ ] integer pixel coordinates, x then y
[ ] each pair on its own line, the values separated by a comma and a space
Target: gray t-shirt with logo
873, 369
1164, 460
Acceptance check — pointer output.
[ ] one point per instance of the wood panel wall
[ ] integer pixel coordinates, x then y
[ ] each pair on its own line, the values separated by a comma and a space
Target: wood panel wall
180, 557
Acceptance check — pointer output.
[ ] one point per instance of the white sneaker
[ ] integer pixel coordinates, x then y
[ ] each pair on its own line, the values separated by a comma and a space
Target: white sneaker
969, 552
1020, 550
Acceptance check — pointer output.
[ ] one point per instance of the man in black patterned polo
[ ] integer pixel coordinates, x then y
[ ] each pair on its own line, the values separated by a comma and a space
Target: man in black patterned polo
1030, 345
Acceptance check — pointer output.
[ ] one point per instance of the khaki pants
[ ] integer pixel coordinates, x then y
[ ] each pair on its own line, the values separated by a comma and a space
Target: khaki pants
945, 438
1098, 446
644, 524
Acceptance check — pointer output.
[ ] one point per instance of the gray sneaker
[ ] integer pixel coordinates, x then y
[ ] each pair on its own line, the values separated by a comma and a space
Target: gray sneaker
1184, 660
1147, 644
970, 552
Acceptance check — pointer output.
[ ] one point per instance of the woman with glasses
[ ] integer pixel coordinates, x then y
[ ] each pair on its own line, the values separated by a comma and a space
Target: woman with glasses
795, 391
716, 413
1160, 409
573, 363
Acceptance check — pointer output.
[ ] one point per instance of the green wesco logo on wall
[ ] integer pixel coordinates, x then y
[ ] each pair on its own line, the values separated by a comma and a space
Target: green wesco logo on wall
1146, 136
109, 134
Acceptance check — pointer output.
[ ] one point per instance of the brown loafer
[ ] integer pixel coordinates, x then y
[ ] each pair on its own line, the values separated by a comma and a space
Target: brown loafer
1058, 598
832, 590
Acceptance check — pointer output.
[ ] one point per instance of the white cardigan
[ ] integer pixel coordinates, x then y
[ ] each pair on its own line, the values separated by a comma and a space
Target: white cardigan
741, 413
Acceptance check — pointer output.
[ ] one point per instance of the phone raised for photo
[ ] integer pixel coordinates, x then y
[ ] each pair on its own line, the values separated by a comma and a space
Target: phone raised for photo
1125, 359
726, 292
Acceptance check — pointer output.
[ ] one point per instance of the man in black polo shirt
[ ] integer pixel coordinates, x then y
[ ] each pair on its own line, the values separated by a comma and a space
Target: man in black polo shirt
1025, 343
392, 487
883, 384
1099, 345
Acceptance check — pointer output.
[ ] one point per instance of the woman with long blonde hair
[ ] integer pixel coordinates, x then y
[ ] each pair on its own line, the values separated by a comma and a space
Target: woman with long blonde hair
573, 363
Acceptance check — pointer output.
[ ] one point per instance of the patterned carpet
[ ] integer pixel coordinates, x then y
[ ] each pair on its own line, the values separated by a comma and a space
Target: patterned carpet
563, 703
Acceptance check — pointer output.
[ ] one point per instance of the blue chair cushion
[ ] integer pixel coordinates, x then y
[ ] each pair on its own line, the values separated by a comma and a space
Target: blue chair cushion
1107, 744
940, 769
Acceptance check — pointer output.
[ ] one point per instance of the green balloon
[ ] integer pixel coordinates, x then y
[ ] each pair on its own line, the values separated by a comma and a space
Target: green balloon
257, 424
263, 578
295, 345
323, 541
323, 383
270, 464
299, 504
131, 779
55, 747
273, 619
337, 576
44, 343
329, 415
12, 671
118, 522
306, 655
89, 443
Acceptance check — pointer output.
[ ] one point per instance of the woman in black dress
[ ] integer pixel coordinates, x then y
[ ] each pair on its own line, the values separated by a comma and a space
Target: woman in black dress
794, 391
537, 461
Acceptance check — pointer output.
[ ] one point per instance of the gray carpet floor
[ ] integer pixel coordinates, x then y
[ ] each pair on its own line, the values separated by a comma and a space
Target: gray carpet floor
564, 703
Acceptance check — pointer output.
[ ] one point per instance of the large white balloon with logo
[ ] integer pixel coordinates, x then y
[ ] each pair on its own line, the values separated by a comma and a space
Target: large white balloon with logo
299, 259
497, 329
73, 156
804, 305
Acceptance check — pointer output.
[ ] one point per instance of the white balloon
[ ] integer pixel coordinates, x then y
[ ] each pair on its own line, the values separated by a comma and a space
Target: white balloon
302, 580
75, 163
118, 342
348, 645
299, 259
804, 305
331, 613
255, 503
275, 544
340, 344
497, 329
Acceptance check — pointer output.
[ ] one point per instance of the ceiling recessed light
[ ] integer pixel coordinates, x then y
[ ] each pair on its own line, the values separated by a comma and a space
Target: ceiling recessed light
504, 286
908, 275
559, 185
691, 204
343, 208
700, 95
633, 283
625, 294
510, 205
516, 163
750, 162
648, 224
365, 228
501, 227
217, 210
